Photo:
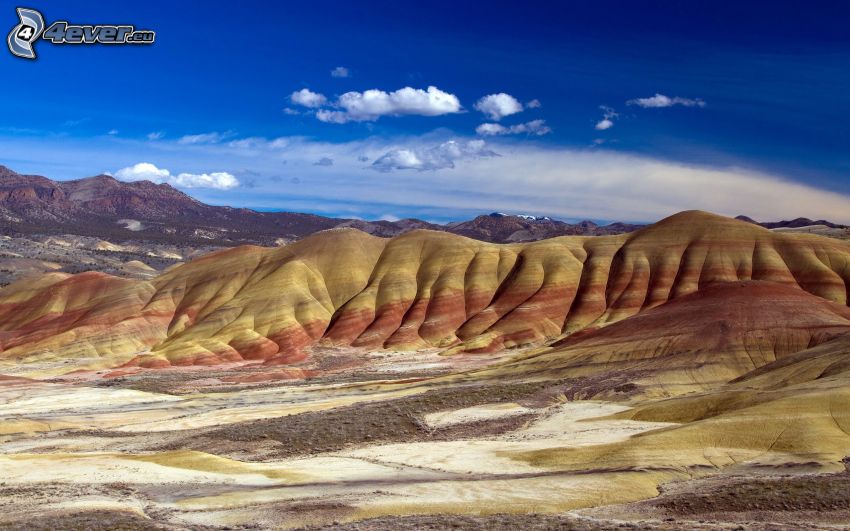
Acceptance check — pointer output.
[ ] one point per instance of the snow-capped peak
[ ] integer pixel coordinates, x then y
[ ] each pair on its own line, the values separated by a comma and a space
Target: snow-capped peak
526, 217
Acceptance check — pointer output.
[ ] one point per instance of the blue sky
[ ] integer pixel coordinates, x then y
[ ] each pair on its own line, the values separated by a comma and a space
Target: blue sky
629, 111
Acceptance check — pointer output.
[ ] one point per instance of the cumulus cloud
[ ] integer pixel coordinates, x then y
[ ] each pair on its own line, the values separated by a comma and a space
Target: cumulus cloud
308, 98
290, 111
339, 71
607, 121
324, 161
217, 180
660, 100
333, 117
370, 105
435, 158
491, 129
534, 104
156, 135
204, 138
534, 127
145, 171
604, 124
497, 106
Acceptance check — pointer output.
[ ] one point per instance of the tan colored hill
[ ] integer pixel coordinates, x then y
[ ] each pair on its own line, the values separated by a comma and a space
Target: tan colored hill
792, 412
696, 341
420, 289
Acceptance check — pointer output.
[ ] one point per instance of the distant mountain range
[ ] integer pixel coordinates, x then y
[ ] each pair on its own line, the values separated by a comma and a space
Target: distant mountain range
795, 223
104, 207
502, 228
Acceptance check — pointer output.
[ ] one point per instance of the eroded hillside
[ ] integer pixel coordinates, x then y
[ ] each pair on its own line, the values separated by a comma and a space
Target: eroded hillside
420, 289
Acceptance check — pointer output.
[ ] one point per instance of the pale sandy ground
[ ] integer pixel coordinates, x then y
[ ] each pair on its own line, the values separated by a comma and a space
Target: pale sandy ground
39, 447
136, 411
561, 426
443, 419
42, 445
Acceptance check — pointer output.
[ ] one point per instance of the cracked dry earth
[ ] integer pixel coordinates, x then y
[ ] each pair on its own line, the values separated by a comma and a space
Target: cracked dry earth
190, 452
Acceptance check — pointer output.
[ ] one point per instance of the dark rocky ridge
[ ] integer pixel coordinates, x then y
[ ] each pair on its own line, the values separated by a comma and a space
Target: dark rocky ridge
96, 206
792, 224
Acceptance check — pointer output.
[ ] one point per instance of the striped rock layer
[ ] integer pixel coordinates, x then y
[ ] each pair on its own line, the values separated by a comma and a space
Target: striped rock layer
421, 289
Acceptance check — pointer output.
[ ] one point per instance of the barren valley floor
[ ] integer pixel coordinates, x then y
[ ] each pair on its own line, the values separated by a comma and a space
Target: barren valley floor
190, 451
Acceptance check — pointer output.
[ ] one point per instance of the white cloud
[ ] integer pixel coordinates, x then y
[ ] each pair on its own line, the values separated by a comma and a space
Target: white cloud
156, 135
308, 98
438, 157
660, 100
218, 180
608, 117
290, 111
205, 138
372, 104
112, 132
491, 129
339, 71
604, 124
497, 106
332, 117
145, 171
534, 127
534, 104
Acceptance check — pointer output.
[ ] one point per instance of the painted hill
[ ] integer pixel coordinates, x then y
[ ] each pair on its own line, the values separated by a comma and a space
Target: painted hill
697, 341
426, 289
793, 410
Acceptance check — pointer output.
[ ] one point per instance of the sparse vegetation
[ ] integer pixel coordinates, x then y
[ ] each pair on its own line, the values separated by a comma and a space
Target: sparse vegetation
399, 420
